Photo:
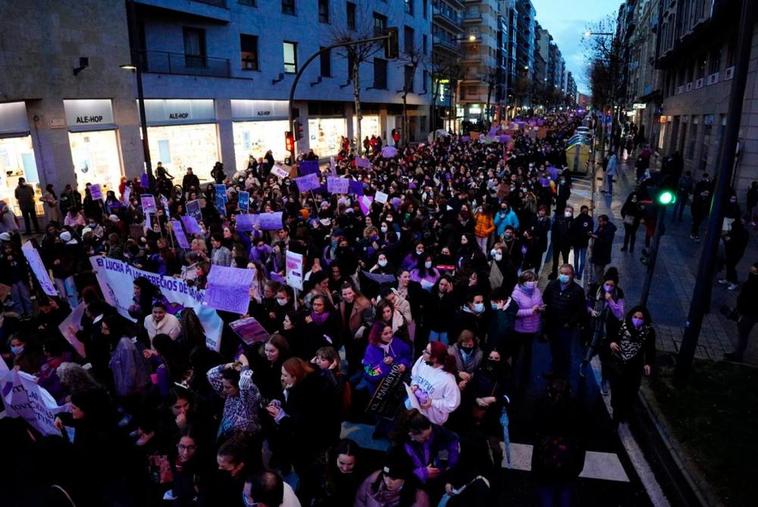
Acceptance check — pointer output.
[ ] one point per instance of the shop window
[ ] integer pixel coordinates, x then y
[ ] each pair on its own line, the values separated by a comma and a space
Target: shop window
323, 11
249, 52
288, 7
290, 57
326, 63
17, 161
380, 73
350, 10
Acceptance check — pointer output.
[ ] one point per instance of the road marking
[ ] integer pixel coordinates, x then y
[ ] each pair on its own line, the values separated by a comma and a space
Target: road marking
604, 466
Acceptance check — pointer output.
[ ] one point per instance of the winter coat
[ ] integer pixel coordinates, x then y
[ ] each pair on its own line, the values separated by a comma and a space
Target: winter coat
130, 373
374, 367
603, 245
527, 321
503, 220
484, 225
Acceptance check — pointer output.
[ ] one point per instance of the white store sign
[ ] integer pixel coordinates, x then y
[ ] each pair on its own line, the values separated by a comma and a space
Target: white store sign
13, 118
179, 111
89, 114
259, 110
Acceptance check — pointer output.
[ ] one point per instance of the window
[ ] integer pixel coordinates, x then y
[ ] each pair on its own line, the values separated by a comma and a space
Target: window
194, 47
350, 7
408, 43
288, 7
290, 57
425, 44
692, 142
714, 62
409, 7
380, 73
409, 73
249, 52
426, 80
380, 24
323, 11
425, 7
326, 63
251, 3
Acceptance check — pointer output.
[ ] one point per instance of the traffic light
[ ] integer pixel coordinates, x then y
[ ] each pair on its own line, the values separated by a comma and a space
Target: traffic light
666, 196
391, 44
289, 141
298, 130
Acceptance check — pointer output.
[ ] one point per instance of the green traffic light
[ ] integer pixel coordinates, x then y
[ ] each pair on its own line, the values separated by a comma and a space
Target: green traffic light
666, 197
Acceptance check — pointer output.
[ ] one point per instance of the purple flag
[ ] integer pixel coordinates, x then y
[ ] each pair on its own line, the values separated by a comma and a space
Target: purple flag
246, 222
365, 202
355, 187
308, 167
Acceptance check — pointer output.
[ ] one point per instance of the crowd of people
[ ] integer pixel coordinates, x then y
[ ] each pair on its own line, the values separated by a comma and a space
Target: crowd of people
417, 317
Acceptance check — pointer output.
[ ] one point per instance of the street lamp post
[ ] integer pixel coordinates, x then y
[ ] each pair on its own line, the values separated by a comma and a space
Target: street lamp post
136, 67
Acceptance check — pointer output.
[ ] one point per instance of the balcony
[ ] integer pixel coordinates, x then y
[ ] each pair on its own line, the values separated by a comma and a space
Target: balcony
445, 43
472, 17
215, 3
448, 18
212, 10
163, 62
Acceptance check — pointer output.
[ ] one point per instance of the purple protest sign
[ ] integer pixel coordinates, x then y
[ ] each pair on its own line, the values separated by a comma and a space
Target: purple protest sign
148, 203
191, 225
181, 238
389, 152
225, 286
308, 182
363, 162
365, 202
336, 185
355, 187
465, 139
249, 330
246, 222
96, 192
308, 167
270, 221
193, 209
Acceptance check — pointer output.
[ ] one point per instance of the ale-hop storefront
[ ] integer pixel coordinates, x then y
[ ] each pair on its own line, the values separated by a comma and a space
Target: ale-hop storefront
370, 126
325, 135
259, 126
93, 139
183, 133
16, 154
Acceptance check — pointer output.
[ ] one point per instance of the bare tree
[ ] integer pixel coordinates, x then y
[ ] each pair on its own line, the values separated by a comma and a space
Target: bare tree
412, 59
356, 55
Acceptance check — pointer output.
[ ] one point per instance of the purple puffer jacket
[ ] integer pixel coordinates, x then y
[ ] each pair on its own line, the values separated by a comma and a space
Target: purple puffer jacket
526, 320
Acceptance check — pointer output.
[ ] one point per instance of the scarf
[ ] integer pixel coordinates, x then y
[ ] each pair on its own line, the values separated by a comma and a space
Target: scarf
320, 318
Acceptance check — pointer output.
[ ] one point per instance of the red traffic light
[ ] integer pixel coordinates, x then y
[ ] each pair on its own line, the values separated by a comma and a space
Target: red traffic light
289, 141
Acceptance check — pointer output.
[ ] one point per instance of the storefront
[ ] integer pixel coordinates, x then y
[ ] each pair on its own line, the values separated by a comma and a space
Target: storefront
259, 126
94, 143
326, 134
181, 134
370, 126
16, 154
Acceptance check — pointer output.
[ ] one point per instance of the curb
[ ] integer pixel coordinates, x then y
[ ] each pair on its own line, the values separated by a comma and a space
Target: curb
697, 492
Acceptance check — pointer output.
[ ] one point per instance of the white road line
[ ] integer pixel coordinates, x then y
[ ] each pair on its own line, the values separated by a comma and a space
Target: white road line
604, 466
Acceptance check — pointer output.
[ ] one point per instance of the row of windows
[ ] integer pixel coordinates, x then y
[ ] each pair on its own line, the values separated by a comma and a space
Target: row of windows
290, 7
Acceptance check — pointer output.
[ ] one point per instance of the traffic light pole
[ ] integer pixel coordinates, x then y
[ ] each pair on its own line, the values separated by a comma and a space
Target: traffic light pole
653, 255
704, 280
305, 65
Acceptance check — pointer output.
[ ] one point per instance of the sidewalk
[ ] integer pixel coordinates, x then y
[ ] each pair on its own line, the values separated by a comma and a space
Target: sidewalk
675, 271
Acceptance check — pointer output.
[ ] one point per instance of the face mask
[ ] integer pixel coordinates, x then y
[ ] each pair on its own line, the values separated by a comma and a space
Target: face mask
478, 307
531, 285
637, 323
564, 278
498, 257
384, 229
567, 214
281, 301
608, 288
508, 237
17, 350
428, 264
381, 262
464, 242
419, 252
467, 350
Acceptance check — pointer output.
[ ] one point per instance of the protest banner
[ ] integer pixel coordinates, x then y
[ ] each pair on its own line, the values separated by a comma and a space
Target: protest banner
193, 210
276, 277
243, 201
308, 167
384, 400
245, 222
280, 171
148, 203
181, 238
270, 221
363, 163
355, 187
365, 202
227, 289
381, 197
191, 225
294, 264
96, 192
336, 185
249, 330
39, 269
116, 280
307, 182
25, 399
71, 325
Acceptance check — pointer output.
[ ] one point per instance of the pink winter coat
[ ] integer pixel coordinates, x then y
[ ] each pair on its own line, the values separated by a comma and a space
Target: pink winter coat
526, 320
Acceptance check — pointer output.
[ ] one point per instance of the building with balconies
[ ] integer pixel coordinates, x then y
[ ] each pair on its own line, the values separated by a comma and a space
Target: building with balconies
448, 40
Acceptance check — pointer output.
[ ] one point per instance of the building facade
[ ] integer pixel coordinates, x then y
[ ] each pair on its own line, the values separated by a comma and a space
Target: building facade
216, 75
448, 39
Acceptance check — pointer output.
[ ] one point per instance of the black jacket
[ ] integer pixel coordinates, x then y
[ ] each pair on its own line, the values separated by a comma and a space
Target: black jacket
581, 228
565, 308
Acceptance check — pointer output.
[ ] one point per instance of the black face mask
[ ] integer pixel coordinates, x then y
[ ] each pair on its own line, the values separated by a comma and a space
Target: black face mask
467, 350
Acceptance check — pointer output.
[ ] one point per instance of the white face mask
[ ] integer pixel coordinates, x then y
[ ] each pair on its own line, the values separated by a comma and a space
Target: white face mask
498, 257
382, 262
567, 214
419, 252
281, 301
428, 264
384, 229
